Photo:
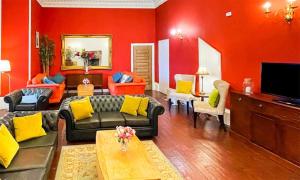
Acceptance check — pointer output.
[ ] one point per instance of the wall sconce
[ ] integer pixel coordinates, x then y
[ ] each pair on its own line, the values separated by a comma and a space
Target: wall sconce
177, 33
289, 10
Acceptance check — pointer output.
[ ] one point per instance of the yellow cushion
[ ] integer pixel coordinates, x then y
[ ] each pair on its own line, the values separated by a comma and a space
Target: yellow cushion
131, 105
81, 109
8, 146
88, 103
143, 106
184, 87
28, 127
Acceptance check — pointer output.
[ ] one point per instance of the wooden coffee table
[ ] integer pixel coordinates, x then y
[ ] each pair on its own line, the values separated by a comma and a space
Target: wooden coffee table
85, 90
114, 164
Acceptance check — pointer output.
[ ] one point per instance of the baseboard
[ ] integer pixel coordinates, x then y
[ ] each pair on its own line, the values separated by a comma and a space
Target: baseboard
3, 105
156, 86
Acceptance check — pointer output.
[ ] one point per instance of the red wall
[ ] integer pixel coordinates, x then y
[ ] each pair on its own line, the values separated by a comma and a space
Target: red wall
15, 41
245, 39
125, 25
36, 26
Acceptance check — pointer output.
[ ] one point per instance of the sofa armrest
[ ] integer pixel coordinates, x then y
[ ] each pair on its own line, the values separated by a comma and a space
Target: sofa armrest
45, 95
43, 85
154, 110
13, 99
129, 84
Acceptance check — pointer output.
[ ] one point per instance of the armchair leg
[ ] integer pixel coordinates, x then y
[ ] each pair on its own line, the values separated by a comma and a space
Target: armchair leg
178, 104
195, 119
222, 124
188, 107
170, 104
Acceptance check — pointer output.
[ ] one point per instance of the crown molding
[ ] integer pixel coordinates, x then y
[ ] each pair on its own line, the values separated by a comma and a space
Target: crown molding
148, 4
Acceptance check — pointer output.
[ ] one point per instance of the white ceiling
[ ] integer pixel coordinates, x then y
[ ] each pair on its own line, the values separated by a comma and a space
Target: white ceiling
151, 4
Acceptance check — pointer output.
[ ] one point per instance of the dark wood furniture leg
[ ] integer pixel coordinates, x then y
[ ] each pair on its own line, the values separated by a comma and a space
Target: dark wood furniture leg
170, 104
178, 104
222, 124
188, 107
195, 119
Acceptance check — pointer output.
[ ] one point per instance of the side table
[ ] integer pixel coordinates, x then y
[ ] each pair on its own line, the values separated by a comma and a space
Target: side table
85, 90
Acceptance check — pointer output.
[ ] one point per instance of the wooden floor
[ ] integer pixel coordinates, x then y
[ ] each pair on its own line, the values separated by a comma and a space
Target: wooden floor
207, 152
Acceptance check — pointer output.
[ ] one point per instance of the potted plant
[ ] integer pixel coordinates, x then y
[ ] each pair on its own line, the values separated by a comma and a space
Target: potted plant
47, 53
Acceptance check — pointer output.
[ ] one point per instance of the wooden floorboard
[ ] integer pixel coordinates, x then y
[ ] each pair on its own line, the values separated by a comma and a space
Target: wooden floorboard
206, 152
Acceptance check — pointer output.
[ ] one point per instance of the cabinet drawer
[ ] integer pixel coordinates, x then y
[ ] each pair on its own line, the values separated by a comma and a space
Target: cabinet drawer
238, 99
262, 107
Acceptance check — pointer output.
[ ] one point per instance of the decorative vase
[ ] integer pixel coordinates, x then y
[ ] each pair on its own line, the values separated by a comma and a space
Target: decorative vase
124, 146
248, 86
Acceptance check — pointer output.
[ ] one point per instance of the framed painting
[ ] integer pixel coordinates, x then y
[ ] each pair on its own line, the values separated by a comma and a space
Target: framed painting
86, 51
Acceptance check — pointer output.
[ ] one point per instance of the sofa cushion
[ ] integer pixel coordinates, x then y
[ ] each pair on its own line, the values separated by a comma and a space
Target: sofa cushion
88, 123
136, 120
30, 158
49, 140
111, 119
25, 175
26, 107
58, 78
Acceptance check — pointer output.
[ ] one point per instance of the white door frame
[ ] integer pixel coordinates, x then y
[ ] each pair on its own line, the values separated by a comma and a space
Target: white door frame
153, 59
164, 66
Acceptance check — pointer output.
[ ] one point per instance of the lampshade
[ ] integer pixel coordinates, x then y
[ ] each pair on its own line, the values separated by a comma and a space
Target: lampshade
4, 66
202, 71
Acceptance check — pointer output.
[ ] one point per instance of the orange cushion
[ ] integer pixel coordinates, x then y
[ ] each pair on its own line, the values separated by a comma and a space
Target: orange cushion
38, 79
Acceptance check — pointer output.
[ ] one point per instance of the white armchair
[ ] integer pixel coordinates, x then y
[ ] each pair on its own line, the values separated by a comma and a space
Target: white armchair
205, 108
179, 98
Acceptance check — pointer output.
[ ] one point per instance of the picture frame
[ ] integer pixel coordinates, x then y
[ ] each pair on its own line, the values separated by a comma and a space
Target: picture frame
86, 51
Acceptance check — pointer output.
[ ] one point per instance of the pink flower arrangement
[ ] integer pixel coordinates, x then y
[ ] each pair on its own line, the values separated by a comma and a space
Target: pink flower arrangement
86, 81
124, 134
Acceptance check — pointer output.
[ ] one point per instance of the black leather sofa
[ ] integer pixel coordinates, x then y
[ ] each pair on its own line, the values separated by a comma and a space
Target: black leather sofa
107, 116
14, 99
34, 158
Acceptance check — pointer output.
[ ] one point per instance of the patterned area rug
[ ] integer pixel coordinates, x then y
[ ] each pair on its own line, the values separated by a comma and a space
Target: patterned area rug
79, 162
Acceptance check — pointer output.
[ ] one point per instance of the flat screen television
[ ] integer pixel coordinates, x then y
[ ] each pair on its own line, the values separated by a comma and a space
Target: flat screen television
283, 80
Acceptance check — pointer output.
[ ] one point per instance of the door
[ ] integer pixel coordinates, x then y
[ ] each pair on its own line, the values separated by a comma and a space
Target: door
163, 58
142, 63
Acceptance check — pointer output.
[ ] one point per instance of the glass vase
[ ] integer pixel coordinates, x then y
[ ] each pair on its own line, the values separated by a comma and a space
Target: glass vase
248, 86
124, 146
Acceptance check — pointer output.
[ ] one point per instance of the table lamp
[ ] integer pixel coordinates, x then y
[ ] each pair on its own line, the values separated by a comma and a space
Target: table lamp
4, 68
202, 71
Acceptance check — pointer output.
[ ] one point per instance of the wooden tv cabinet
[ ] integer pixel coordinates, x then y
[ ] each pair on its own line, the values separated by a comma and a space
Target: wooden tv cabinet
271, 125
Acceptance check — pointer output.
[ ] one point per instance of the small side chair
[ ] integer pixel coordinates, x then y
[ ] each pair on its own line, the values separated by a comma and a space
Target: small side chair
14, 99
201, 107
180, 97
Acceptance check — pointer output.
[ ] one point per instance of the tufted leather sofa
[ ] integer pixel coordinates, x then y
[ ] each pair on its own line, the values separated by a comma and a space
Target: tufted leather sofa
14, 99
107, 116
34, 158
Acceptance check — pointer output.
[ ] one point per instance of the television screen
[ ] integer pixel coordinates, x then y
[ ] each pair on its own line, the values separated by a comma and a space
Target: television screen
281, 79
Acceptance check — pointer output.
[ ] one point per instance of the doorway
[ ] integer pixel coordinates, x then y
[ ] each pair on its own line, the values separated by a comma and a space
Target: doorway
142, 62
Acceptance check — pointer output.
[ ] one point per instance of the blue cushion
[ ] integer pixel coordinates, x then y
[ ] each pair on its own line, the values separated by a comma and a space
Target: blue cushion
129, 79
117, 77
126, 79
58, 78
47, 81
29, 99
